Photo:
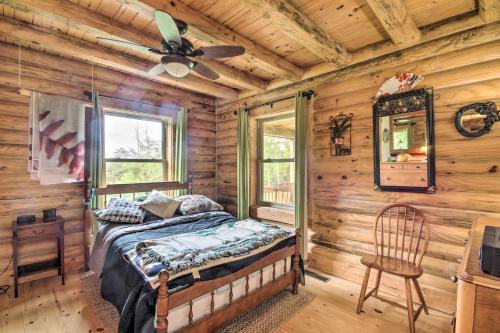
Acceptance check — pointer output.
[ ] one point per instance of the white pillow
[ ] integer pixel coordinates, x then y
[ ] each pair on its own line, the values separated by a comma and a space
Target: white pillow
160, 204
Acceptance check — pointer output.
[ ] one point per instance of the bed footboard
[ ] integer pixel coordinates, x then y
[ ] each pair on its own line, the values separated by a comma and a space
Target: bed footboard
233, 309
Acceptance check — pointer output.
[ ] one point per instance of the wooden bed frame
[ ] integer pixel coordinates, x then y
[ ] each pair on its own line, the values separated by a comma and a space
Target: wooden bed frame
217, 317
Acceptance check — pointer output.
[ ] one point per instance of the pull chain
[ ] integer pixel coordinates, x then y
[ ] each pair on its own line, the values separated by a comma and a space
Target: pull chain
19, 65
20, 91
92, 79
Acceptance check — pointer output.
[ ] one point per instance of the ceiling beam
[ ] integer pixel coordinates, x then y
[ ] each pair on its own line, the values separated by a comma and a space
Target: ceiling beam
384, 48
489, 10
77, 17
462, 40
209, 31
291, 21
58, 42
396, 21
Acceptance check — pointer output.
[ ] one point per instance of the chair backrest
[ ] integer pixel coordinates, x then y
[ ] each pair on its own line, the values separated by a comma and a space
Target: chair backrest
400, 232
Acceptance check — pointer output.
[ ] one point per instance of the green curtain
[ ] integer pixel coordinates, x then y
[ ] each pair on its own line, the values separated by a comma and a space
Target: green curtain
300, 160
181, 148
96, 159
243, 165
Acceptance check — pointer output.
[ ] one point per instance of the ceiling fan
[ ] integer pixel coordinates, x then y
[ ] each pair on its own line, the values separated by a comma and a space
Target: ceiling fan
177, 52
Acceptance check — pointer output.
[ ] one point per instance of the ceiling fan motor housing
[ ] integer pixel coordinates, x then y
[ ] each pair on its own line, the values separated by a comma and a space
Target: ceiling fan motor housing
186, 49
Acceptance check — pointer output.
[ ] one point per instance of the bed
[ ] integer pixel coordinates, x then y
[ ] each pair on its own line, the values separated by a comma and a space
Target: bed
201, 300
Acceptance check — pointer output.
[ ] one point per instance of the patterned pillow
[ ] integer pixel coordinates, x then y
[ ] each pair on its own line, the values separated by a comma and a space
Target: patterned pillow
122, 211
191, 204
160, 205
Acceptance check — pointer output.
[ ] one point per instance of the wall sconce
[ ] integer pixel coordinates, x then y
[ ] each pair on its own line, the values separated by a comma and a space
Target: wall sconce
340, 135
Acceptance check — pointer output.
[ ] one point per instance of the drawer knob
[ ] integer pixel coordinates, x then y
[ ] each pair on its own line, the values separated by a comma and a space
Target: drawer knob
387, 178
422, 179
418, 166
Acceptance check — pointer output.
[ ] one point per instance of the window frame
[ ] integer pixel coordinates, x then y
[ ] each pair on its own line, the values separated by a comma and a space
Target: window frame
168, 128
261, 161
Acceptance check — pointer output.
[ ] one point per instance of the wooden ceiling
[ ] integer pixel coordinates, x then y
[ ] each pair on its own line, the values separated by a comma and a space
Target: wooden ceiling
285, 40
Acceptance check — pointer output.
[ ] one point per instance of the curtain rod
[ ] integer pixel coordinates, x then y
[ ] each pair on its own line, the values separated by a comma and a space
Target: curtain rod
88, 94
307, 93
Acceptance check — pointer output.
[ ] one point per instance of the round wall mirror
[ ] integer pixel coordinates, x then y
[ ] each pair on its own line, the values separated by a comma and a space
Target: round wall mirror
476, 119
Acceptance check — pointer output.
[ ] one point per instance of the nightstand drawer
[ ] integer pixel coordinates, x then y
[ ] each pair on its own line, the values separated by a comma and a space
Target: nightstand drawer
37, 231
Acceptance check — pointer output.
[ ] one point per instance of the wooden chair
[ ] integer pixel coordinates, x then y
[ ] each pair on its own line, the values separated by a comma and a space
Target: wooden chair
401, 240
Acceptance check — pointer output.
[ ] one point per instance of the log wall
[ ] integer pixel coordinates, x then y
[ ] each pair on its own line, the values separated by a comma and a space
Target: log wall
343, 202
50, 74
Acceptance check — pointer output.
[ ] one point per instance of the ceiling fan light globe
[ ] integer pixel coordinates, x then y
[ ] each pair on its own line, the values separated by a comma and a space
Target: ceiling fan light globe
177, 66
177, 69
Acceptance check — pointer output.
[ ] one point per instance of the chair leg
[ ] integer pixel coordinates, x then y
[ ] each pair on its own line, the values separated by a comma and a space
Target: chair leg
363, 290
377, 283
420, 295
409, 302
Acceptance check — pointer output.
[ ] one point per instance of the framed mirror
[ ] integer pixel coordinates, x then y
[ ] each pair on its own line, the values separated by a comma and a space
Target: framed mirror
403, 141
476, 119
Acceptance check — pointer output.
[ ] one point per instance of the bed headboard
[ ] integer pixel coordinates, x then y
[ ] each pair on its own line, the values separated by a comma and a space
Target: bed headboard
131, 191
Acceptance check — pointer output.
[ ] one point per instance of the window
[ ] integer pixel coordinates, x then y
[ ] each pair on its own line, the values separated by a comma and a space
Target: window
401, 136
136, 148
276, 151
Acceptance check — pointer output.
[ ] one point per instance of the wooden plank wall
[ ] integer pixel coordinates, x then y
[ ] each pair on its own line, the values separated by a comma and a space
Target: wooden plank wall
344, 203
51, 74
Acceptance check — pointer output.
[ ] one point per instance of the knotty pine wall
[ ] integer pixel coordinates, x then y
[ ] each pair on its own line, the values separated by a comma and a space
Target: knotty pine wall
51, 74
343, 202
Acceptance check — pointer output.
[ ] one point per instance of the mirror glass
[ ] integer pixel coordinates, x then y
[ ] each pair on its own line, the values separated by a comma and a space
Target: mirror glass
404, 137
402, 143
472, 121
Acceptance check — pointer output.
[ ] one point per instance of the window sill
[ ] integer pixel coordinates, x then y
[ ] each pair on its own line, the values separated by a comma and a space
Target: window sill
286, 216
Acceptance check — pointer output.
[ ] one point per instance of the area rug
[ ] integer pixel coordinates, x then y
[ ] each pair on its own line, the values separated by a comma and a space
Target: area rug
266, 317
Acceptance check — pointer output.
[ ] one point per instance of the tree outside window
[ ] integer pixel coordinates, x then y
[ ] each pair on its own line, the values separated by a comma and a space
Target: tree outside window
277, 160
135, 149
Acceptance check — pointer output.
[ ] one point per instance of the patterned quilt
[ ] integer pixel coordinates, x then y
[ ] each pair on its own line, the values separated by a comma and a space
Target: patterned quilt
190, 252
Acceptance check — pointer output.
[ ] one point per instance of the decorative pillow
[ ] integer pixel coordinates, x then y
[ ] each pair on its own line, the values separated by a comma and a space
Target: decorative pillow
123, 211
191, 204
160, 205
141, 198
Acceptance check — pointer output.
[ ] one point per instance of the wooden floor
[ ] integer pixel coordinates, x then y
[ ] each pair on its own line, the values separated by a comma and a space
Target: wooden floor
46, 306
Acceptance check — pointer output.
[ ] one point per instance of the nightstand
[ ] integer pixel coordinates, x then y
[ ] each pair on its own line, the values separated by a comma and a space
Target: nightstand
33, 233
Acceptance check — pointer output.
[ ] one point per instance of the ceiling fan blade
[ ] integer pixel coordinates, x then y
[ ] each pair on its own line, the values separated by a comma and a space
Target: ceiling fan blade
224, 51
157, 70
205, 71
134, 46
167, 27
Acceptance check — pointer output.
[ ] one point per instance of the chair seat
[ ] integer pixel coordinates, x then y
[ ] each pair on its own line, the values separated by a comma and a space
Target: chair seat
392, 266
